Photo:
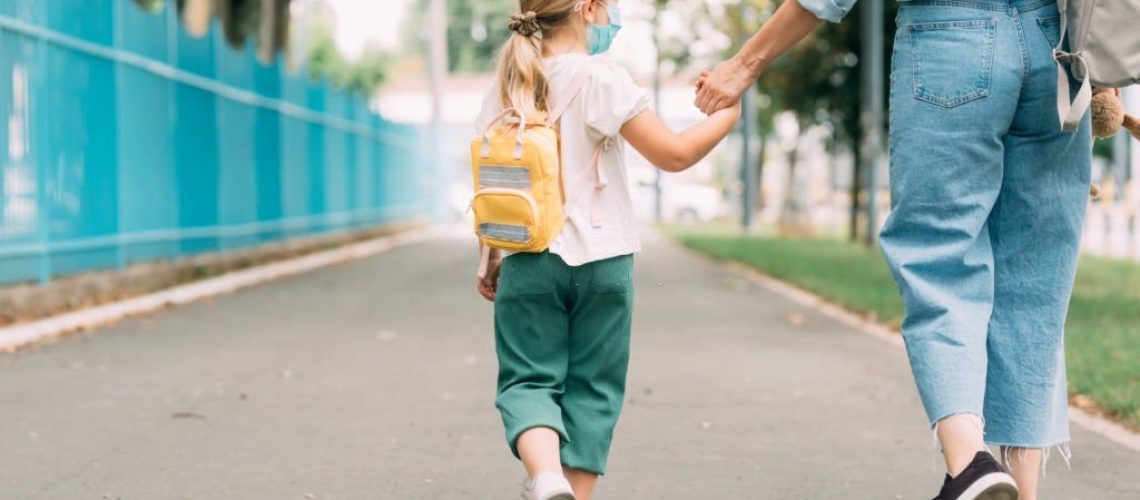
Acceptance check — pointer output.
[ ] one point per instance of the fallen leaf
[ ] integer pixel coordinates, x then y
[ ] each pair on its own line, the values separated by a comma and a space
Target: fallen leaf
187, 415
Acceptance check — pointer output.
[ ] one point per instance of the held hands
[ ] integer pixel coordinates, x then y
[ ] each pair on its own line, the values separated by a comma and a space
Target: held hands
722, 87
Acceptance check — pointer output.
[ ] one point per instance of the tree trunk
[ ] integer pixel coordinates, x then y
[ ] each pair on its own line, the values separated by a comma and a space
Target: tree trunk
196, 16
856, 188
763, 154
788, 214
237, 17
267, 31
281, 26
273, 32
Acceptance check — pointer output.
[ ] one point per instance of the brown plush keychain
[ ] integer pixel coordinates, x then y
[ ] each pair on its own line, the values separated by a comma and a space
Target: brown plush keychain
1108, 117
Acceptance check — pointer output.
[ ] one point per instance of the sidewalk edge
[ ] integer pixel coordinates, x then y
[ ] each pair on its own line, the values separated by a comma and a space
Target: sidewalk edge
1093, 423
24, 334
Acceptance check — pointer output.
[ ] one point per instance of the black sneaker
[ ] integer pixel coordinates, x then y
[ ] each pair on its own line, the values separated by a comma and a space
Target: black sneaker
983, 479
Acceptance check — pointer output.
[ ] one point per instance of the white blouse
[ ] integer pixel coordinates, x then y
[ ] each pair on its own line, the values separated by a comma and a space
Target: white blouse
608, 101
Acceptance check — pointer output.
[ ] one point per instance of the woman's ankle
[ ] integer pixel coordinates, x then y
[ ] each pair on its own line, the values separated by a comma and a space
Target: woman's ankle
1025, 465
961, 437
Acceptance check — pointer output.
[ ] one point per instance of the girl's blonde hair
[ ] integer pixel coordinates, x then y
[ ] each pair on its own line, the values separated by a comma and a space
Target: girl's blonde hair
522, 82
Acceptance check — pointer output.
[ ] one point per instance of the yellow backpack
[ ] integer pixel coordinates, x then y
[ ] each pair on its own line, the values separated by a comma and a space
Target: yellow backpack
520, 201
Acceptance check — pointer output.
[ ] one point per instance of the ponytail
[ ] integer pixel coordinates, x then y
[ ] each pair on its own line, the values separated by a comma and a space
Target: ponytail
522, 81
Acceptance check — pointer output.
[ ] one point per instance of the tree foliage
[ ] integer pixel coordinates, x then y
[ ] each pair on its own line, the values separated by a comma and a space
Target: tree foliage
241, 20
476, 31
363, 76
151, 5
819, 81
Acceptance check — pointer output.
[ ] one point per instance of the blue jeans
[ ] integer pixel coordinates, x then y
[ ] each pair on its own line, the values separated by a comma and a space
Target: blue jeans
988, 201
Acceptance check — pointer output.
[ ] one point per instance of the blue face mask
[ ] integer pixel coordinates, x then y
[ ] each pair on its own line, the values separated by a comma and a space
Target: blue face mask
599, 38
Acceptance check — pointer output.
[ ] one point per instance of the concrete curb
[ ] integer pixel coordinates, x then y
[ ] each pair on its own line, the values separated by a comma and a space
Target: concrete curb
21, 335
1094, 423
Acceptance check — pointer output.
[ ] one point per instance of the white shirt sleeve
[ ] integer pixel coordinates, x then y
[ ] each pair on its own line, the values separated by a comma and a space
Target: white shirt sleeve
612, 99
491, 107
828, 10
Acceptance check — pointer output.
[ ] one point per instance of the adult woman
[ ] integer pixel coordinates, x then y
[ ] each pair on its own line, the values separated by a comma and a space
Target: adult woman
988, 200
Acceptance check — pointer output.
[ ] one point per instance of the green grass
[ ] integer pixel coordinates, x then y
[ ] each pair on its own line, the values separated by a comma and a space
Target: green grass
1102, 333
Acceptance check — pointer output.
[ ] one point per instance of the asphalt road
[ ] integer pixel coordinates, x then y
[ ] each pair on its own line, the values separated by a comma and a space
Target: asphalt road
375, 379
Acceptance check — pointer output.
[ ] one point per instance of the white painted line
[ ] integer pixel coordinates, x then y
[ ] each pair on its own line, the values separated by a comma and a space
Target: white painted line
16, 336
1094, 423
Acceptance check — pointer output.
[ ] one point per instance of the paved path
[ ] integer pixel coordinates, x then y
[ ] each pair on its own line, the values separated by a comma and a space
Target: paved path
374, 379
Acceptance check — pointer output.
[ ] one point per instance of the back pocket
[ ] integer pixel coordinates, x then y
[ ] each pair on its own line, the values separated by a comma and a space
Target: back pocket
612, 275
952, 61
525, 274
1051, 26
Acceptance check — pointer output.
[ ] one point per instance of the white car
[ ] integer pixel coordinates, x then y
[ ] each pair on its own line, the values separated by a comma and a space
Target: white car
682, 201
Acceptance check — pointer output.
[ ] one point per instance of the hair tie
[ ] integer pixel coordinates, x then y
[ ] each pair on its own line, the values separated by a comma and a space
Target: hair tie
525, 24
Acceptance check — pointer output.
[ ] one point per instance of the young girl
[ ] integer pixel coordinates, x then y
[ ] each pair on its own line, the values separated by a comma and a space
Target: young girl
563, 317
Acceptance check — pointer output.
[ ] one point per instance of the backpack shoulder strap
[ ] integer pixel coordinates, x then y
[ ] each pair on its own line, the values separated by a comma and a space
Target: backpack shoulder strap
1063, 13
576, 86
1071, 113
581, 79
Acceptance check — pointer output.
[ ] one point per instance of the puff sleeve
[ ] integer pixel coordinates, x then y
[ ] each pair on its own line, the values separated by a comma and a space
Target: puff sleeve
613, 99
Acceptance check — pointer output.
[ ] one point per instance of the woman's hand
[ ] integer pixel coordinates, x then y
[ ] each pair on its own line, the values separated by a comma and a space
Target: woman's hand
489, 284
724, 85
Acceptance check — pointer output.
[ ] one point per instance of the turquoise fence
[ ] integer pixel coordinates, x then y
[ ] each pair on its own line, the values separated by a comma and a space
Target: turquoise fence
124, 139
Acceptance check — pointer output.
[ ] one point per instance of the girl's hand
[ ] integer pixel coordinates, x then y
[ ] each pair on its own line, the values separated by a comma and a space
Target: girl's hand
736, 109
724, 85
490, 284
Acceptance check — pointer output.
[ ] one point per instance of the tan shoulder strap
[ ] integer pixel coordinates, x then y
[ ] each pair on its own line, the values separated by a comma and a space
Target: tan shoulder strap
1071, 113
560, 107
595, 167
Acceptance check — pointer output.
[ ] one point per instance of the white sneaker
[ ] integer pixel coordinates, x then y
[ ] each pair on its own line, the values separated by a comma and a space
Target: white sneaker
548, 486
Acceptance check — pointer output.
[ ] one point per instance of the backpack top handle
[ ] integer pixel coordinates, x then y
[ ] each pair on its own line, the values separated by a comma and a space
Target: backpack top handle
505, 114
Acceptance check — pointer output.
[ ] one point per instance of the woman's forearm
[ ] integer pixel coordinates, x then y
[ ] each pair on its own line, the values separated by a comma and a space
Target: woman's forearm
790, 24
724, 85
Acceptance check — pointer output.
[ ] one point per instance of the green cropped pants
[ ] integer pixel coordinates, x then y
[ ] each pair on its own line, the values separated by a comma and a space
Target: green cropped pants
562, 337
